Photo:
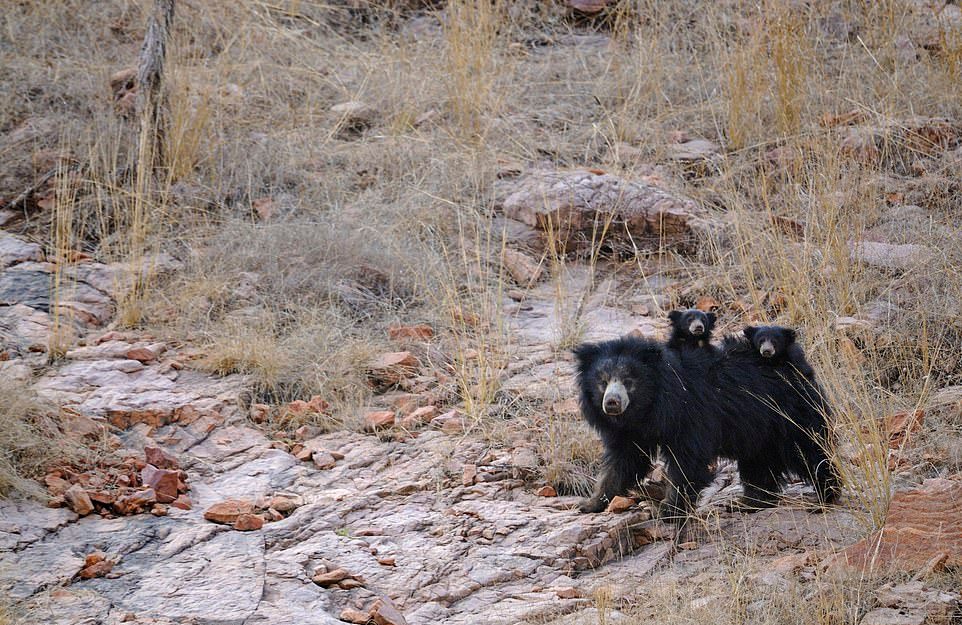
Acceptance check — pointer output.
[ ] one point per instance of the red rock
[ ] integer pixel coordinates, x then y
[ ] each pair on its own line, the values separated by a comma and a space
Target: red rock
386, 561
228, 511
78, 500
248, 522
145, 354
392, 367
547, 491
264, 207
182, 502
688, 546
352, 615
419, 332
163, 481
56, 484
469, 474
160, 458
707, 303
379, 419
298, 407
454, 425
326, 579
56, 502
786, 565
260, 413
419, 416
323, 460
922, 525
384, 612
94, 557
159, 509
103, 497
523, 269
620, 504
302, 453
283, 504
318, 405
99, 569
568, 592
135, 502
307, 431
902, 425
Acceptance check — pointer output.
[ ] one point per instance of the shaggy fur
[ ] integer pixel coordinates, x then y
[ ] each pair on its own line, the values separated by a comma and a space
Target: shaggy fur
777, 345
640, 396
691, 329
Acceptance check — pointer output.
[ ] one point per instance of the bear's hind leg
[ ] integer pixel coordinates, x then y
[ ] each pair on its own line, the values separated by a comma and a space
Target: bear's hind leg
759, 484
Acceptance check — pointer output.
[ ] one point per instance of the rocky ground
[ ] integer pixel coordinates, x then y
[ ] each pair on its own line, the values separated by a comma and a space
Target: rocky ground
421, 526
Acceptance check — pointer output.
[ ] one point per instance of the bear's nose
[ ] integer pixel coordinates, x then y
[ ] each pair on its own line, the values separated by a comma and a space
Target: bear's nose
696, 328
767, 349
616, 398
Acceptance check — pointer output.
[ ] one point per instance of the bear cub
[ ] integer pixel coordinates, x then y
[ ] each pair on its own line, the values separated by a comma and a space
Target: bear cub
690, 329
776, 345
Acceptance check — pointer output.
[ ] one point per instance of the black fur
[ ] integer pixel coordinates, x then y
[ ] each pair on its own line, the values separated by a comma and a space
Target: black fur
786, 349
726, 404
681, 334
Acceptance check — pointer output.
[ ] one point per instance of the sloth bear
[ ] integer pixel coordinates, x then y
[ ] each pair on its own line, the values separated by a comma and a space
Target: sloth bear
691, 329
639, 396
777, 345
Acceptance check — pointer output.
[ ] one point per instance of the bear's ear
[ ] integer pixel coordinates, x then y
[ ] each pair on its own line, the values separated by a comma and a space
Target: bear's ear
674, 315
790, 335
711, 318
586, 353
750, 332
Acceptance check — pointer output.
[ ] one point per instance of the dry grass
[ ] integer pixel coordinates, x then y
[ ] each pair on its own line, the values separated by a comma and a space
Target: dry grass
28, 440
389, 219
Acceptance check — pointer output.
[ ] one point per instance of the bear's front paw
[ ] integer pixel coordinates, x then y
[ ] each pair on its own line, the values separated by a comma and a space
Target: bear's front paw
593, 504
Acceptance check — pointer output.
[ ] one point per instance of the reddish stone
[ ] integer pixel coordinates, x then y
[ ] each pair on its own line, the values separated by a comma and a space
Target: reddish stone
103, 497
99, 569
620, 504
419, 332
228, 511
248, 522
160, 458
145, 354
323, 460
135, 502
547, 491
351, 615
260, 413
159, 509
902, 425
568, 592
469, 474
420, 416
922, 527
94, 557
163, 481
386, 561
392, 367
283, 504
384, 612
78, 500
302, 453
56, 484
379, 419
326, 579
182, 502
318, 405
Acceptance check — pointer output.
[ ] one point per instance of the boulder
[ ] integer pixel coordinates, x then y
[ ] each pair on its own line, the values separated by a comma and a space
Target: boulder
580, 208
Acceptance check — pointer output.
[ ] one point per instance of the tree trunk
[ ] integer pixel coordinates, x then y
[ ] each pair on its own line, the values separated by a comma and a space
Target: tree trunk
151, 95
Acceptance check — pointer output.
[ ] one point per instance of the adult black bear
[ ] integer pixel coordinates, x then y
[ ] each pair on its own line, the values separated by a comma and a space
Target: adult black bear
640, 396
691, 329
777, 345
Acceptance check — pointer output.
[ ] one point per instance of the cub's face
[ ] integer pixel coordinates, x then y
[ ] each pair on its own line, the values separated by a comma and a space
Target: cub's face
770, 341
616, 384
692, 322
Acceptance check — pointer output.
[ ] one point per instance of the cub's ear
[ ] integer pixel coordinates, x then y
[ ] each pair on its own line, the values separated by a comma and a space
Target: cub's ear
674, 315
750, 332
790, 335
711, 317
586, 353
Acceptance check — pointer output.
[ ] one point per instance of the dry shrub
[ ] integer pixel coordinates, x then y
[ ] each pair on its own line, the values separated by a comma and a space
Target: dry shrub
29, 439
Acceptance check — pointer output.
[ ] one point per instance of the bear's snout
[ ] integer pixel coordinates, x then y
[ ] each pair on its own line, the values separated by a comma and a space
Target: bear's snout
767, 349
615, 400
696, 328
